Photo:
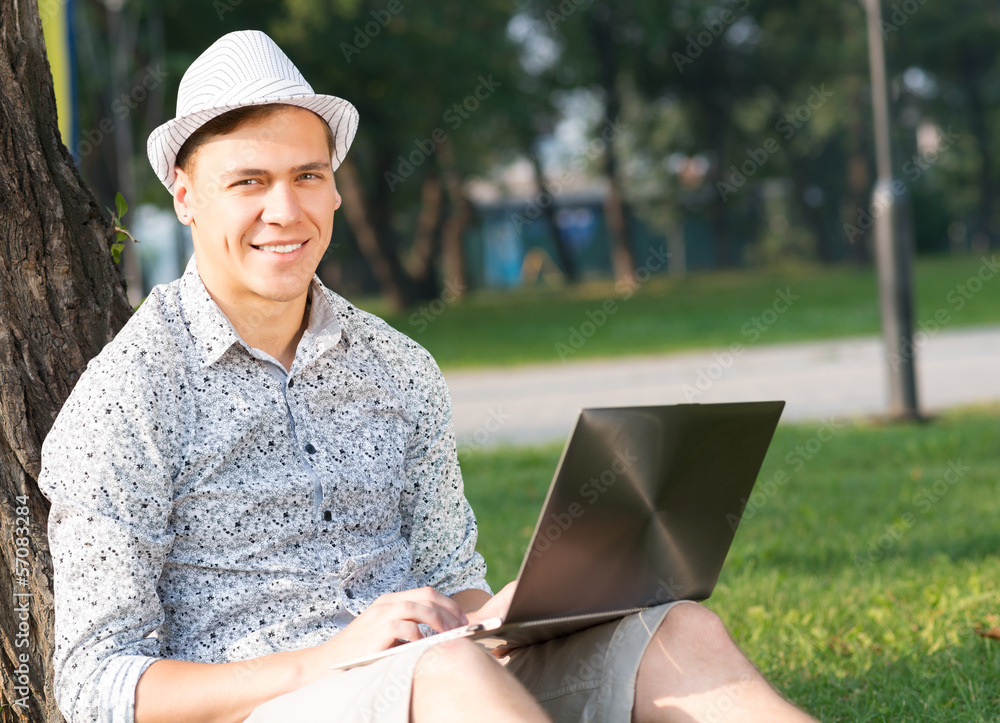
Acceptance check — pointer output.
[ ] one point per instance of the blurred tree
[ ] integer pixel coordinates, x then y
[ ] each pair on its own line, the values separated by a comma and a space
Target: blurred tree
436, 88
586, 43
948, 57
765, 93
439, 94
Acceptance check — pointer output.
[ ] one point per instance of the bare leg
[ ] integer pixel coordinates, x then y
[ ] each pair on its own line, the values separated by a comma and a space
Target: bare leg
693, 671
458, 681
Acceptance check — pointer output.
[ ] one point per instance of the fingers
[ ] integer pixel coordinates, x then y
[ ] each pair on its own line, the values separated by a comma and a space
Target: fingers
423, 605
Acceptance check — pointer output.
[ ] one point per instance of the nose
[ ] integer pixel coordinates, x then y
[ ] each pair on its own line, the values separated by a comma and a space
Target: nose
281, 205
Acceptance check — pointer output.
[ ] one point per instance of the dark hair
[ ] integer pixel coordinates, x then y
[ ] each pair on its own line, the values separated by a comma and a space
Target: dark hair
229, 122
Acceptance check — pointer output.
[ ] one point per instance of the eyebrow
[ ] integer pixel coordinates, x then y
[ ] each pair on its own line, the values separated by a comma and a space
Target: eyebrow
238, 173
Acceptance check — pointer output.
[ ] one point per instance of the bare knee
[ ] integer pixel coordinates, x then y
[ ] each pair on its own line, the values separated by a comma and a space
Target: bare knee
458, 681
693, 644
690, 624
456, 660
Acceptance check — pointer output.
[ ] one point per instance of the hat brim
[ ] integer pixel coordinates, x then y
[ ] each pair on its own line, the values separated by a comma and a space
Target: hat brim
166, 140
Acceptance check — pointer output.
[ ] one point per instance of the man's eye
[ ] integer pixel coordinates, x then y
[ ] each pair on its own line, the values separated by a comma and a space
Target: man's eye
309, 176
246, 182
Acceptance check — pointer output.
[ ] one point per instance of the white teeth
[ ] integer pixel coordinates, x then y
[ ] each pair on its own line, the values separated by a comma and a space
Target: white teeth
280, 249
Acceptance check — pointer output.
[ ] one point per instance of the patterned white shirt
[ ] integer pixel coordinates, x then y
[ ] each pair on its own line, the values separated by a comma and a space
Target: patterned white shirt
209, 506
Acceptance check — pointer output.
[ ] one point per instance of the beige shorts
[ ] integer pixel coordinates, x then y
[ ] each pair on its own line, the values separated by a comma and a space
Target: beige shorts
587, 676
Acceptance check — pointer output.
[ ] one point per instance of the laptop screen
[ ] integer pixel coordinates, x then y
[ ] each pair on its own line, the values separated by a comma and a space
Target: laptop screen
643, 507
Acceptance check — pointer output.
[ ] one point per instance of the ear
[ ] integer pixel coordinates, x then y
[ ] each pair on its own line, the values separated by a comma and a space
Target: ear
337, 199
183, 197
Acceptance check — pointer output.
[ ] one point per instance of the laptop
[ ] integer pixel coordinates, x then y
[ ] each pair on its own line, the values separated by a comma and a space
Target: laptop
642, 510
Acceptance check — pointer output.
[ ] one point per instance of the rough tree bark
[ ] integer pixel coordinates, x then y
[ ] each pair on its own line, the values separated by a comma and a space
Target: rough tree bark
61, 300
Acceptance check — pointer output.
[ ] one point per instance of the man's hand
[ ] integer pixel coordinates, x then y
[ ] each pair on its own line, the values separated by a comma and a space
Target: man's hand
497, 606
391, 618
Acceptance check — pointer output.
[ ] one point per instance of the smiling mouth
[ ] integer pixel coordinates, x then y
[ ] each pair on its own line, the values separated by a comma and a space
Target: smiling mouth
280, 249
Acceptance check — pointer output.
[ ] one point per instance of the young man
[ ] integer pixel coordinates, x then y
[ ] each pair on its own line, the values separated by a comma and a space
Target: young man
255, 480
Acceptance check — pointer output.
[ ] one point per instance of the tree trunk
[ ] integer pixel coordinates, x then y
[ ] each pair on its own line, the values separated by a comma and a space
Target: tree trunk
558, 237
615, 213
61, 300
426, 236
366, 235
452, 250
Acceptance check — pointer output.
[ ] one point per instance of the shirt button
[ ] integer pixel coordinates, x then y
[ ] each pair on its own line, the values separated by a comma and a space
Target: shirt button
310, 449
291, 383
327, 515
349, 592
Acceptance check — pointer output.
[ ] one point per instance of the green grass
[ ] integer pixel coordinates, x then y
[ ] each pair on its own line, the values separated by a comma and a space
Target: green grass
663, 315
845, 628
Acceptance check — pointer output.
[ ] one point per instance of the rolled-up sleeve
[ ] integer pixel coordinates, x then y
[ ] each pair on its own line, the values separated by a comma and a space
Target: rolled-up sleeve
106, 468
437, 517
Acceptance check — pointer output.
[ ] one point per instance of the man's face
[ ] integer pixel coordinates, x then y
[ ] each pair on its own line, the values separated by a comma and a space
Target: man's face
260, 202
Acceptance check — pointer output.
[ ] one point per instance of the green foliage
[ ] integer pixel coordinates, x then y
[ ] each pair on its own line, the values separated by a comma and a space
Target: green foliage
711, 80
848, 633
121, 233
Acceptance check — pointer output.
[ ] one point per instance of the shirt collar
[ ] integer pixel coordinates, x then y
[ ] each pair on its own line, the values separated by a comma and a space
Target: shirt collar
213, 332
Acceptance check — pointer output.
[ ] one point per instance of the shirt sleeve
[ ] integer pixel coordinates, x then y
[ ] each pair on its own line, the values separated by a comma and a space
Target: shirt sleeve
437, 518
106, 470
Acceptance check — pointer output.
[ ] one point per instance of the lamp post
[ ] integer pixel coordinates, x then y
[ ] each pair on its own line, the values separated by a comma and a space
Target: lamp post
893, 240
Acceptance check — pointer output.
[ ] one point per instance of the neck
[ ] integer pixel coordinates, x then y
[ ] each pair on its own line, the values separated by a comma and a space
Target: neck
274, 327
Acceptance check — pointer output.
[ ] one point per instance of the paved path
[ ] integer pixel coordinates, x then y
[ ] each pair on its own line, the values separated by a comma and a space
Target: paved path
842, 379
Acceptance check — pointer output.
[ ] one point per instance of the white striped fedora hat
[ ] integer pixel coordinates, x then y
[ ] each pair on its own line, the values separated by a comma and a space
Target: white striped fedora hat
241, 69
